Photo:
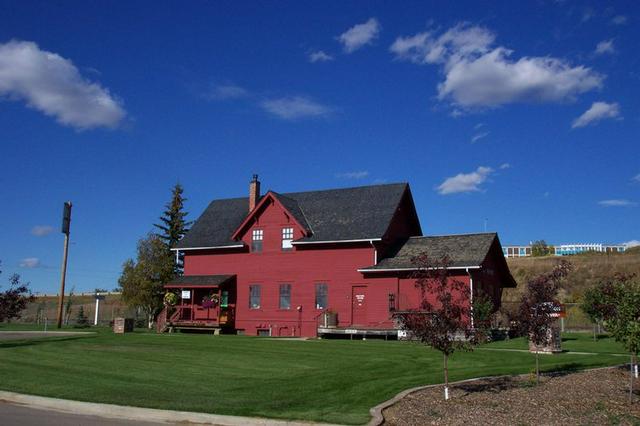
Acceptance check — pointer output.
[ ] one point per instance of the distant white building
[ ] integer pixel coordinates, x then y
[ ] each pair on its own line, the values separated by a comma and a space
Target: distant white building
565, 249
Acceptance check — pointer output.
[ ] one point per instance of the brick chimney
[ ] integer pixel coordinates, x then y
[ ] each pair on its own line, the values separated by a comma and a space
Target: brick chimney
254, 192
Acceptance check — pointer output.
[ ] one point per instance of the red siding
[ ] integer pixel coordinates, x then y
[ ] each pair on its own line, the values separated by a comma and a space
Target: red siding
335, 265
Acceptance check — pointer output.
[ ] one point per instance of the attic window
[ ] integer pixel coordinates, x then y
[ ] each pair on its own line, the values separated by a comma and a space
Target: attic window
287, 238
256, 240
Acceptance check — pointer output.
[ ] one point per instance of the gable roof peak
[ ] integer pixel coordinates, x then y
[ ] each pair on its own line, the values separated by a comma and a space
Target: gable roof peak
356, 213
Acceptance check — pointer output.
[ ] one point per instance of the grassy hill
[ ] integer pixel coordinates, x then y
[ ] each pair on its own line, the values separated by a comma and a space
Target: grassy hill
589, 269
47, 306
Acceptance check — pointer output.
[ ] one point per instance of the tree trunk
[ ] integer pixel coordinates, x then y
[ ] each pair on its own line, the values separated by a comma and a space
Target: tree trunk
537, 367
446, 378
595, 335
631, 382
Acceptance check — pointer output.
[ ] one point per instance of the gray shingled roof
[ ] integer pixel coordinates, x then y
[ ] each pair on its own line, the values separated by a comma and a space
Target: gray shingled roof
294, 208
331, 215
463, 250
199, 280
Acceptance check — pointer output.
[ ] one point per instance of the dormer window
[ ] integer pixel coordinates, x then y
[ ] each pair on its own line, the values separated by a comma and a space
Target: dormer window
287, 238
256, 240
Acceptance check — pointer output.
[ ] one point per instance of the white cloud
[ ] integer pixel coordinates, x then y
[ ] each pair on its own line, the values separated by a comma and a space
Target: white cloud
30, 262
227, 91
479, 125
505, 166
587, 14
353, 175
465, 182
636, 178
51, 84
598, 111
295, 107
479, 136
319, 56
619, 20
360, 35
478, 74
617, 203
41, 230
632, 243
605, 46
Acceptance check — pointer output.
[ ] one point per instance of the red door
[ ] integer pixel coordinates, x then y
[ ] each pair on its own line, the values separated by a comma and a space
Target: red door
359, 305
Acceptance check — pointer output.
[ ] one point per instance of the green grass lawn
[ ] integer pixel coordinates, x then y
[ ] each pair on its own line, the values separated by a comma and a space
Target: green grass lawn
319, 380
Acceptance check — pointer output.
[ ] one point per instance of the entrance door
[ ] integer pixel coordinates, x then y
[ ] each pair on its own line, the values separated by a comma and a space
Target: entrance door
359, 305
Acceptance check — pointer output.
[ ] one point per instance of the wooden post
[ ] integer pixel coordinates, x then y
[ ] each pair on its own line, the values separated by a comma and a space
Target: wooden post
66, 223
62, 280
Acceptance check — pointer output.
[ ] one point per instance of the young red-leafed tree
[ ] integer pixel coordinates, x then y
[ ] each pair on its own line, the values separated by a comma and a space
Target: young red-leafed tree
538, 307
443, 318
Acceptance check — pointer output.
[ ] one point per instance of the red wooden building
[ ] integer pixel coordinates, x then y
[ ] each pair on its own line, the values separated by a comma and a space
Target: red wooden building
319, 262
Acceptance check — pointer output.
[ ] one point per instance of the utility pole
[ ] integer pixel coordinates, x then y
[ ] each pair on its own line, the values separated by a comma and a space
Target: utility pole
66, 224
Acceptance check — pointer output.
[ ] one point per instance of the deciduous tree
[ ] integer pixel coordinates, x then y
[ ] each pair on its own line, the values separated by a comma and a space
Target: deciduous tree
142, 280
595, 304
442, 320
540, 248
538, 307
618, 305
15, 299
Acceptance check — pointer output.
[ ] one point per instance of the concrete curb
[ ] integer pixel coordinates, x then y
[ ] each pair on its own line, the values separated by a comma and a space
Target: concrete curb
141, 414
376, 412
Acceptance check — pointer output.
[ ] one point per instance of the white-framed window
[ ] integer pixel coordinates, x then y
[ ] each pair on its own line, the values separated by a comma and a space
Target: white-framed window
285, 296
255, 293
287, 238
322, 295
256, 240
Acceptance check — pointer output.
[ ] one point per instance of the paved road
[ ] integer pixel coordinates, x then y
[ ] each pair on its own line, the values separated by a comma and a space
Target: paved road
16, 415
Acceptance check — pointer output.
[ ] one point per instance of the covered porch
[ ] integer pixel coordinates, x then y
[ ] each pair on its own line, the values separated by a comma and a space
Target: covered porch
203, 302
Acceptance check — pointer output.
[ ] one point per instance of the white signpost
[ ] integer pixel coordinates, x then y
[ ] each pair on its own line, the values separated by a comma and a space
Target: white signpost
99, 297
186, 294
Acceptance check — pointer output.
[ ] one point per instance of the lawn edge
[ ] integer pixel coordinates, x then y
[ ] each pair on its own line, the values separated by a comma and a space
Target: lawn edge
121, 412
378, 418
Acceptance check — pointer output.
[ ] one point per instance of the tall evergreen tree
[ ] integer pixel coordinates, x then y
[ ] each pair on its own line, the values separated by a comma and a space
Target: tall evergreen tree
173, 225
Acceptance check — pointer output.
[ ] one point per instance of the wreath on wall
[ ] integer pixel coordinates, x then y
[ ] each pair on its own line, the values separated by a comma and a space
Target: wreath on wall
170, 299
210, 301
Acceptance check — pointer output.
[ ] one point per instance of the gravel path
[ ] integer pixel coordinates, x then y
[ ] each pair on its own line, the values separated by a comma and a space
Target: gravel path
597, 397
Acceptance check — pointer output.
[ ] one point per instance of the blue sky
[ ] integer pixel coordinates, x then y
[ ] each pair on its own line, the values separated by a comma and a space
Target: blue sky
527, 117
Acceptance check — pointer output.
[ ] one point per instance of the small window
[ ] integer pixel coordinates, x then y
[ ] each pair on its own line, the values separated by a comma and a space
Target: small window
224, 299
256, 240
287, 238
321, 296
392, 302
285, 296
254, 296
